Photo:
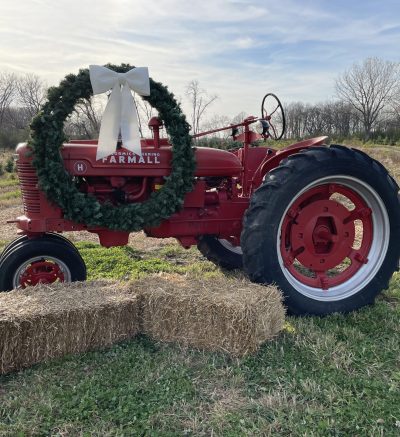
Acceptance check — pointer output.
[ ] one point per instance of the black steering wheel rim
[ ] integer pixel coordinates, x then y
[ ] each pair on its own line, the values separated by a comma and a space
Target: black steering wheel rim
276, 132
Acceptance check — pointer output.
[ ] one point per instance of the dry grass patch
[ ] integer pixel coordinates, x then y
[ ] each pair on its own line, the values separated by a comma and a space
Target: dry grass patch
8, 231
389, 156
45, 322
229, 315
9, 202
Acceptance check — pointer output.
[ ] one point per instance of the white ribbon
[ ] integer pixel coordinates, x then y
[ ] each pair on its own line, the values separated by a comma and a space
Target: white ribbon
120, 112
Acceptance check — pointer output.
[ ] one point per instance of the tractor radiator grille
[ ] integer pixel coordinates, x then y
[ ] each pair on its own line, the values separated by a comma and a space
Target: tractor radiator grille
29, 189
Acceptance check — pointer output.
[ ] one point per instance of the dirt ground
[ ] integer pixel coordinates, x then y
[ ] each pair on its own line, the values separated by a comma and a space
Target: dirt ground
8, 231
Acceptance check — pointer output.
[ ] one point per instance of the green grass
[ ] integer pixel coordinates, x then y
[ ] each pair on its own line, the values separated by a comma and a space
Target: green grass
127, 263
337, 376
9, 180
10, 195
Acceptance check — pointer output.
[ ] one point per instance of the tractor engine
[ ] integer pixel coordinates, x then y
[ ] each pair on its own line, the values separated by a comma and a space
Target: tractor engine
125, 177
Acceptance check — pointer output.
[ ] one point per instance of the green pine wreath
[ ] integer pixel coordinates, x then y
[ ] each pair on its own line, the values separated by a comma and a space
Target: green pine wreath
47, 137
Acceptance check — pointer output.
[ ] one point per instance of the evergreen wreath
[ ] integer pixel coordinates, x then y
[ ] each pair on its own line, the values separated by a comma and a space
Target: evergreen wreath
47, 137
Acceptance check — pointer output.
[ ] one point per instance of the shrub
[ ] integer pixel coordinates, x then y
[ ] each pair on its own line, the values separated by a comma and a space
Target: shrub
10, 167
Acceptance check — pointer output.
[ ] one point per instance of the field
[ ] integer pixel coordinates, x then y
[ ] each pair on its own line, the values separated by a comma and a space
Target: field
338, 375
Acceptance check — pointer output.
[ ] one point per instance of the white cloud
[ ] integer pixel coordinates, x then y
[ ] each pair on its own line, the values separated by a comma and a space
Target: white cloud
236, 49
244, 43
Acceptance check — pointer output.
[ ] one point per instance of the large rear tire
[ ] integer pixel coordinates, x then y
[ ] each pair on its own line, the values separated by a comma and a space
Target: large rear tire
221, 252
325, 227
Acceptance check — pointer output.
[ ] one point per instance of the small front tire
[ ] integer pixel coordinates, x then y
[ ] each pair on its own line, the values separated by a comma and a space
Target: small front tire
40, 260
48, 235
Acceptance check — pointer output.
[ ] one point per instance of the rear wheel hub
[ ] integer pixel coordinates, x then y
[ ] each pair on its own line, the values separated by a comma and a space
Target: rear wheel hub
326, 236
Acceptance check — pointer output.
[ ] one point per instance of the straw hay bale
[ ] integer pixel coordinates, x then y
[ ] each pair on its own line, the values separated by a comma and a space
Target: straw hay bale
47, 321
229, 315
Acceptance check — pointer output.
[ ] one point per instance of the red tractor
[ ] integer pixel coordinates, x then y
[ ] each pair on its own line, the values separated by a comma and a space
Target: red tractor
321, 222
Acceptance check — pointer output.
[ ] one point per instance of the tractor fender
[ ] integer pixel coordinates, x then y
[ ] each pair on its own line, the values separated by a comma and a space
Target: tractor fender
272, 161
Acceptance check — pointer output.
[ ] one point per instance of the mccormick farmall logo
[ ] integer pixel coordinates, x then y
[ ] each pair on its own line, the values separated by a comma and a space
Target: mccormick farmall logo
125, 157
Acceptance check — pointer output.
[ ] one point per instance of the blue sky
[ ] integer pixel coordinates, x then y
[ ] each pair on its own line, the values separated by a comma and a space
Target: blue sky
236, 49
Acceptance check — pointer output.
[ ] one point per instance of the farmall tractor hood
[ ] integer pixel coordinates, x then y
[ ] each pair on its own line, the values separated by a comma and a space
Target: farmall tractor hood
80, 160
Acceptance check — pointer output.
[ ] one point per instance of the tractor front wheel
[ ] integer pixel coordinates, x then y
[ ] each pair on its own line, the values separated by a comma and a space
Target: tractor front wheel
325, 228
40, 260
47, 235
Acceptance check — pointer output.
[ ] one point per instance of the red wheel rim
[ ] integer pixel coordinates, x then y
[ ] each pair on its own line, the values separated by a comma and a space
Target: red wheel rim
41, 272
321, 245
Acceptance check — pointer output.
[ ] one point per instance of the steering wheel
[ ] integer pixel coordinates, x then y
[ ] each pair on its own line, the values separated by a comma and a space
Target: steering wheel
272, 117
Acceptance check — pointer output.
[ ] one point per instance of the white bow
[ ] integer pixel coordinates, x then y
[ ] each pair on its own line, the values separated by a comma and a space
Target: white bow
120, 112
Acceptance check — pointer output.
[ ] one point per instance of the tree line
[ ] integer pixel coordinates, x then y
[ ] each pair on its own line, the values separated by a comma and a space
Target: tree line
367, 105
339, 120
20, 99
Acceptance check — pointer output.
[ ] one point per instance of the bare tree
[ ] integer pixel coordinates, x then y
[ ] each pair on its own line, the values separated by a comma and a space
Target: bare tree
295, 119
90, 112
7, 93
200, 101
17, 118
238, 118
369, 87
217, 122
343, 120
395, 106
145, 109
31, 93
145, 113
85, 121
